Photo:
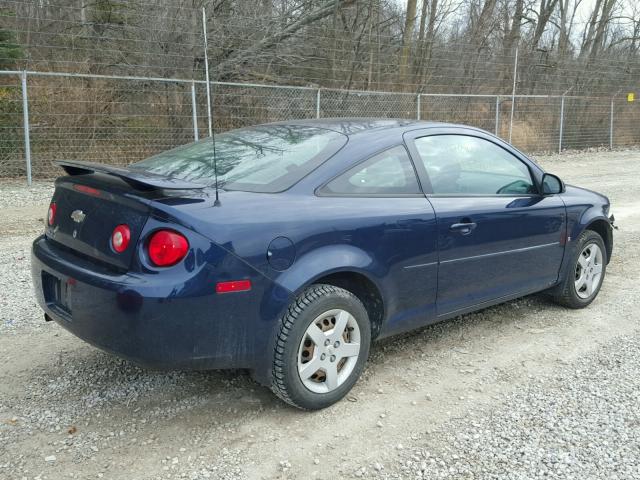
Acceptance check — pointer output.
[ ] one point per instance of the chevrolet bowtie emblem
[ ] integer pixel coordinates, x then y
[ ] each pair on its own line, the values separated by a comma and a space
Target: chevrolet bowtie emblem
78, 216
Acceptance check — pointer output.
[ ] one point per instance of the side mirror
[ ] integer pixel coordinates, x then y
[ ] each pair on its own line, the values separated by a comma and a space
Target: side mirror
551, 184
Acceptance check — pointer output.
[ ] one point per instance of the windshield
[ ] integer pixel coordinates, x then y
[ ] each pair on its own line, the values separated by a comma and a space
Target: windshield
266, 158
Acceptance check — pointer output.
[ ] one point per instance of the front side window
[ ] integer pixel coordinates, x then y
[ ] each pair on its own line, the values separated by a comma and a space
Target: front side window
388, 173
465, 165
266, 158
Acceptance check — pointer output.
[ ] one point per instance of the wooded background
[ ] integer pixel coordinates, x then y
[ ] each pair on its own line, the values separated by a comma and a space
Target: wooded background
585, 48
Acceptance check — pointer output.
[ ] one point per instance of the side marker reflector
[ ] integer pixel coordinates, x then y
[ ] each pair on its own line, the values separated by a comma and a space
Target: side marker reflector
234, 286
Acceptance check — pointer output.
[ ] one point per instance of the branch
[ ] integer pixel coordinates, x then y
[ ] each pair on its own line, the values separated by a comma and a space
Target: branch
622, 40
243, 56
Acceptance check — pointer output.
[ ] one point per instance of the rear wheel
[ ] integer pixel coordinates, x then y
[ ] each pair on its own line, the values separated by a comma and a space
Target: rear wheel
585, 275
322, 347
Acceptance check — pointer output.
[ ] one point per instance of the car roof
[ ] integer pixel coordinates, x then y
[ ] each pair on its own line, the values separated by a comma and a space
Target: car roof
358, 125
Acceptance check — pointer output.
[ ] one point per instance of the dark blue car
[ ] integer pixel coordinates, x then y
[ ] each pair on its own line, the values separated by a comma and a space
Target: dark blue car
321, 237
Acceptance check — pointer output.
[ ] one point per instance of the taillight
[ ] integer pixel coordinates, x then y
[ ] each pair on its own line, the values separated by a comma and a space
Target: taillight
120, 238
51, 215
167, 248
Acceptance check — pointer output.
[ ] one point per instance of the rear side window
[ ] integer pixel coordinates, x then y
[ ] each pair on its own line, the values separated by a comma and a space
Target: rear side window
388, 173
266, 158
465, 165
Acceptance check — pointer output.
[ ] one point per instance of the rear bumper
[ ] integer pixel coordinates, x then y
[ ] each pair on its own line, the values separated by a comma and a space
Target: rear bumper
157, 320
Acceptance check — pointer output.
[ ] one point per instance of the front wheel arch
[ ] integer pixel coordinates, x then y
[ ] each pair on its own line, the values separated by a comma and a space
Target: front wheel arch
565, 292
603, 228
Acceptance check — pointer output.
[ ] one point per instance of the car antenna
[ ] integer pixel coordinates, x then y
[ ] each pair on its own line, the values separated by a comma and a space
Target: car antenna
212, 130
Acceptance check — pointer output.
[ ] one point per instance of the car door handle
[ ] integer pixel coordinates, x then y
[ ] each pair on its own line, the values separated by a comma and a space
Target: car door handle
463, 228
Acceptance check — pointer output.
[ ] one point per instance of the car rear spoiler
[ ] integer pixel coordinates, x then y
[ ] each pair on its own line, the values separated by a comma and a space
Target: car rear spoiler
137, 179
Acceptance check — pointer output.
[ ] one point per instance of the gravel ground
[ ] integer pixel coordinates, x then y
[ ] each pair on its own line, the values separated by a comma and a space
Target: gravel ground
522, 390
581, 422
15, 193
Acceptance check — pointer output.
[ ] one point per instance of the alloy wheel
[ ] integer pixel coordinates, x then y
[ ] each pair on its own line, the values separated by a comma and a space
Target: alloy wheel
588, 270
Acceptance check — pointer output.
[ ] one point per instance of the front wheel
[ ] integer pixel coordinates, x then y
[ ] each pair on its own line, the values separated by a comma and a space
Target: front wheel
585, 275
322, 347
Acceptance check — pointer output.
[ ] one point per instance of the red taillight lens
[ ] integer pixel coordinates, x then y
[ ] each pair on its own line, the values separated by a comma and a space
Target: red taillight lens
51, 215
234, 286
167, 248
120, 238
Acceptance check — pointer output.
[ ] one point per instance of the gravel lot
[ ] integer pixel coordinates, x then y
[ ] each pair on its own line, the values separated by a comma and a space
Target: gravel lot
519, 391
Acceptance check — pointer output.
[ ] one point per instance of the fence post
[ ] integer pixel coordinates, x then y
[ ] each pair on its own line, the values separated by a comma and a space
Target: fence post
611, 125
318, 104
561, 124
418, 107
513, 93
25, 119
194, 111
497, 115
562, 118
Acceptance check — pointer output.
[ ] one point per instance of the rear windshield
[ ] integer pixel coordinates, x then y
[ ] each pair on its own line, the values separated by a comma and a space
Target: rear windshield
266, 158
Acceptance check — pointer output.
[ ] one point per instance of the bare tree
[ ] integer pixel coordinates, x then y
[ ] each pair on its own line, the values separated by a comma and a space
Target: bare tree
431, 45
543, 15
407, 34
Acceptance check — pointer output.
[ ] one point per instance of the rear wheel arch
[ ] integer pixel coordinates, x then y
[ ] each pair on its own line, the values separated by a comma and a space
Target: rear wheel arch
351, 278
363, 287
344, 266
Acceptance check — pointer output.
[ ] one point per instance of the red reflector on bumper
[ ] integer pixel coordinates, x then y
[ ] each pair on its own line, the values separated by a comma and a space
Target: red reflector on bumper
235, 286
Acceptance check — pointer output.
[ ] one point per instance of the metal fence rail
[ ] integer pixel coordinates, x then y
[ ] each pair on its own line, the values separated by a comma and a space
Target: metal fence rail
47, 116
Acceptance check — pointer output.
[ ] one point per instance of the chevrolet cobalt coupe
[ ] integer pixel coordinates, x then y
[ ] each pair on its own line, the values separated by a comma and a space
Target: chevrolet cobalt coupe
300, 242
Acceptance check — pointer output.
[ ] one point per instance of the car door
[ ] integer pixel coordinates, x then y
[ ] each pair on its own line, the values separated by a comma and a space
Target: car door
497, 236
378, 207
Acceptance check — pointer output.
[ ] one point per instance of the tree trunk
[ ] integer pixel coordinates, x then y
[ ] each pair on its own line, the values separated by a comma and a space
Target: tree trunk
563, 41
544, 14
406, 39
605, 18
590, 32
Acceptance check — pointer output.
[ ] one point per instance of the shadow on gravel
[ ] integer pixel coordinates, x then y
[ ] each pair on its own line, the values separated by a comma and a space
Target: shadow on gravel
458, 330
86, 380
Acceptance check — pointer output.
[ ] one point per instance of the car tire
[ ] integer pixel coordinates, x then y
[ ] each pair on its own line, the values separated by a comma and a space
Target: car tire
310, 337
575, 291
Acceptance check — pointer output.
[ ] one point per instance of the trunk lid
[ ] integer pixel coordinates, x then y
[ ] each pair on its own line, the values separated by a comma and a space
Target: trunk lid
87, 213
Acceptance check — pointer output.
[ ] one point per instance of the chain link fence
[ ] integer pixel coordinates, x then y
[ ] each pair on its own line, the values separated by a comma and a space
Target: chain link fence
475, 110
588, 122
351, 103
536, 123
241, 105
12, 155
626, 125
104, 121
48, 116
